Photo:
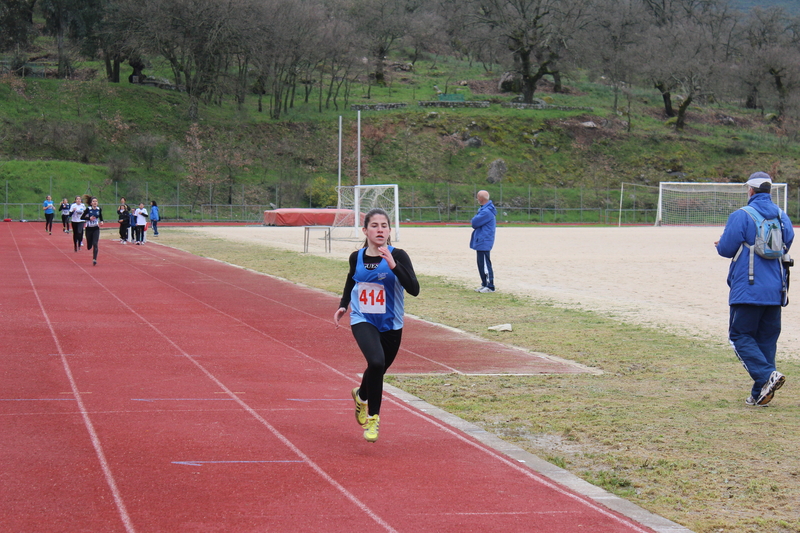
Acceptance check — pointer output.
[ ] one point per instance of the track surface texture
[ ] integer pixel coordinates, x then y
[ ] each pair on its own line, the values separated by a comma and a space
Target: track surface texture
162, 392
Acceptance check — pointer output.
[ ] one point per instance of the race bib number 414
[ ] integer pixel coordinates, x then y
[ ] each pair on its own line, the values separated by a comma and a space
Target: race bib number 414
372, 298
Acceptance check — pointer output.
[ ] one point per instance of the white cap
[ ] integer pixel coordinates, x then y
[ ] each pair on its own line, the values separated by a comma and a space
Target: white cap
757, 179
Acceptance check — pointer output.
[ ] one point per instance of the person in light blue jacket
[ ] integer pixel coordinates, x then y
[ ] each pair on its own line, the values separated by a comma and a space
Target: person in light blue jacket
484, 225
755, 304
154, 217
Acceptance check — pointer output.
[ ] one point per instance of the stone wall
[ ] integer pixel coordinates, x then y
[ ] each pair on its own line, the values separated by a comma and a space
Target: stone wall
472, 103
542, 106
376, 107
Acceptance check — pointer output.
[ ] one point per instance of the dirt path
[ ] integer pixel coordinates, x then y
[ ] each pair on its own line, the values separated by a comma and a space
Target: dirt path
665, 277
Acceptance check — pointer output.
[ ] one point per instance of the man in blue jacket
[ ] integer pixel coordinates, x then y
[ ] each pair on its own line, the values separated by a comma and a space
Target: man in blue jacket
482, 240
755, 304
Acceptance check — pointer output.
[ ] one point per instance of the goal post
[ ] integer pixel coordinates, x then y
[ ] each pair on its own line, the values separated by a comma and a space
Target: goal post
706, 204
360, 199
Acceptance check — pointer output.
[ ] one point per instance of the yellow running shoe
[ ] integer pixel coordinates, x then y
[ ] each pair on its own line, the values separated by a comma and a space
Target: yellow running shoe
371, 428
361, 408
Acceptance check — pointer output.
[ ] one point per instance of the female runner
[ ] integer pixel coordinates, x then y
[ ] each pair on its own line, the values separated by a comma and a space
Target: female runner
94, 219
64, 208
76, 213
374, 288
49, 212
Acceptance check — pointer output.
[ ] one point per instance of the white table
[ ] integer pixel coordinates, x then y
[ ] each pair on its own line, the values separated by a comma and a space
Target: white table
326, 236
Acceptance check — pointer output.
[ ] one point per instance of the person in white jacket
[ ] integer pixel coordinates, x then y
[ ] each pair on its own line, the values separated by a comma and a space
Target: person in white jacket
141, 223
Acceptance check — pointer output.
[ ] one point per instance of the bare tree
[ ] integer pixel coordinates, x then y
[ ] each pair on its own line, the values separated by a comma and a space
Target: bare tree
768, 60
196, 37
612, 41
536, 32
282, 45
16, 24
381, 24
687, 49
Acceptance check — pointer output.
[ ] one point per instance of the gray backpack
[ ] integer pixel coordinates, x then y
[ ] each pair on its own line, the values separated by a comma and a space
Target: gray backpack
769, 239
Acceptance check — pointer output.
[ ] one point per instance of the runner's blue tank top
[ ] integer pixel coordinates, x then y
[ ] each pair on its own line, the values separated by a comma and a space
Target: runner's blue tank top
377, 297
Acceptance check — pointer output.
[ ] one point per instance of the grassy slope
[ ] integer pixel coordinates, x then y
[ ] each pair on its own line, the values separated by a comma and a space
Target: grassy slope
665, 426
43, 121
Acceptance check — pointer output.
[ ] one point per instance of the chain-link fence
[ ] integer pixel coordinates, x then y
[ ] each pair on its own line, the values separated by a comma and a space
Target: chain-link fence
419, 203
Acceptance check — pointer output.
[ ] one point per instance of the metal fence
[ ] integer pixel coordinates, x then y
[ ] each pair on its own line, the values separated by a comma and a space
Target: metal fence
460, 215
419, 203
185, 212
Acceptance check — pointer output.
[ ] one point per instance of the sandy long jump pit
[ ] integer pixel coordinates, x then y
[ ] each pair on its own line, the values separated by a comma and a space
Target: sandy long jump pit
667, 277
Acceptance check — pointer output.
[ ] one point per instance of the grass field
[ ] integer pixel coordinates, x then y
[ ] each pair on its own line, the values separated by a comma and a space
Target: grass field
664, 426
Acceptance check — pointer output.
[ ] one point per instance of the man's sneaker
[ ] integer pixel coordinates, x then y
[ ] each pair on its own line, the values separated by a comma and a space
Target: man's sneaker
371, 428
775, 382
361, 408
752, 402
479, 289
486, 289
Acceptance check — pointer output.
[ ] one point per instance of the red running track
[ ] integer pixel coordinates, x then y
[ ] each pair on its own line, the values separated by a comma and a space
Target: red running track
162, 392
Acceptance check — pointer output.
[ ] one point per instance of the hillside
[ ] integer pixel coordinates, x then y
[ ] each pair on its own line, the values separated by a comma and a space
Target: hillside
68, 136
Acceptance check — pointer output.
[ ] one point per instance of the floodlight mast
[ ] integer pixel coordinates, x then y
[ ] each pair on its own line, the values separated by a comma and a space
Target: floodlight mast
357, 206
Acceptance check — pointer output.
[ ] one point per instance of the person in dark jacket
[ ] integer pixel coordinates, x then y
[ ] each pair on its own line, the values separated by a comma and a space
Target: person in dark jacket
64, 208
124, 218
93, 215
484, 224
755, 304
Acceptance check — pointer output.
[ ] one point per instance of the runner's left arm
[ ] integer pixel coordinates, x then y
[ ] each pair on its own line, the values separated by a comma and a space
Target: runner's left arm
404, 271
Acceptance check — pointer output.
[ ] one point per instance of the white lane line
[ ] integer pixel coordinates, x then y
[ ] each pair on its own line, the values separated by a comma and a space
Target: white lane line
98, 447
305, 458
490, 451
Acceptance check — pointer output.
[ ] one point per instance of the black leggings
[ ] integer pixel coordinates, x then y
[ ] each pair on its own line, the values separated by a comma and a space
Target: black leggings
48, 221
123, 231
77, 233
65, 222
379, 349
92, 240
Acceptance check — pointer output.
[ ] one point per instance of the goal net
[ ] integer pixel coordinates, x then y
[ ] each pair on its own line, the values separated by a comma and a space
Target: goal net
361, 199
705, 204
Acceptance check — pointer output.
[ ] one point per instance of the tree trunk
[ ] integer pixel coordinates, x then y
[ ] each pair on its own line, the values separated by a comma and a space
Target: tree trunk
557, 86
752, 99
783, 92
380, 72
681, 122
667, 97
117, 64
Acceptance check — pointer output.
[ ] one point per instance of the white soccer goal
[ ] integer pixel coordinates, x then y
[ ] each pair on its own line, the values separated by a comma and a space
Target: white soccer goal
360, 199
705, 204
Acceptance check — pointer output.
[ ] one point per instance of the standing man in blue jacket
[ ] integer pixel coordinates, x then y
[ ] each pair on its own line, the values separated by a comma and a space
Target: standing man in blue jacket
484, 224
755, 304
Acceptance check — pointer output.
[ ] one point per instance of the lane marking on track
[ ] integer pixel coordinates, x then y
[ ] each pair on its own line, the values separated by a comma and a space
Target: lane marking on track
98, 447
480, 446
487, 450
37, 399
200, 463
309, 400
275, 432
182, 399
